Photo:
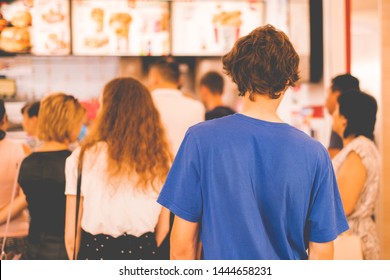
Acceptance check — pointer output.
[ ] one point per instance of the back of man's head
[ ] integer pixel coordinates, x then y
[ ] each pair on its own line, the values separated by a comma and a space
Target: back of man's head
33, 109
262, 62
213, 81
168, 70
344, 83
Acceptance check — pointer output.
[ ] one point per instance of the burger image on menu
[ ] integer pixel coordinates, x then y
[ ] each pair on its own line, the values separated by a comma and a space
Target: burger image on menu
53, 16
17, 37
227, 28
15, 40
55, 44
120, 24
21, 19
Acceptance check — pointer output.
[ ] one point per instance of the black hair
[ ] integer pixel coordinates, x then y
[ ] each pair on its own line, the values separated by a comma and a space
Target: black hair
2, 114
168, 69
32, 109
2, 110
344, 83
360, 110
213, 81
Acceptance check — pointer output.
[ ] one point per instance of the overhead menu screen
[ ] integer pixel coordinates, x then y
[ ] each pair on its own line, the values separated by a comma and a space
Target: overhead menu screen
120, 27
39, 27
203, 28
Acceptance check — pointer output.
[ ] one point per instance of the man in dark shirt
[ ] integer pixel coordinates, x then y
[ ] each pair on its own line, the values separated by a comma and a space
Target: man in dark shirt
340, 84
210, 92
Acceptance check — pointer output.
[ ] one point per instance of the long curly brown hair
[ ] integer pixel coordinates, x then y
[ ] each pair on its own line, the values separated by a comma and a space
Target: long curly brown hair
130, 125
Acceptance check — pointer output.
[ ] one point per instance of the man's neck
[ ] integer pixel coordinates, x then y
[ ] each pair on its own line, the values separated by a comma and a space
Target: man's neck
166, 85
213, 102
263, 108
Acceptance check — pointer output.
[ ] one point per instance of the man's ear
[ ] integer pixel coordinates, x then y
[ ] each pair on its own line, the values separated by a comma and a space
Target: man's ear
3, 122
180, 81
34, 119
344, 121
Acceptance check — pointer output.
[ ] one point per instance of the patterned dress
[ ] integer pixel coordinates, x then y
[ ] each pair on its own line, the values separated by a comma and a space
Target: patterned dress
360, 220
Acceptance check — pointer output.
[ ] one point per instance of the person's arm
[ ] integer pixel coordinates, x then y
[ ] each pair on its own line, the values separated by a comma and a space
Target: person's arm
184, 240
162, 227
321, 251
18, 206
70, 225
351, 179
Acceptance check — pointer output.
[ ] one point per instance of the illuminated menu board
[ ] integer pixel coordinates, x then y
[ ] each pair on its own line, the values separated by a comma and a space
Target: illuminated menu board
120, 27
211, 27
40, 27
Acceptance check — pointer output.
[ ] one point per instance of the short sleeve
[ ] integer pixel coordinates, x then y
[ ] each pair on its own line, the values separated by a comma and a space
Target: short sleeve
71, 173
181, 193
326, 214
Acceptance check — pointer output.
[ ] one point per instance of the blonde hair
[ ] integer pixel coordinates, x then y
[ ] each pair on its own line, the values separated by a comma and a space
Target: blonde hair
58, 115
131, 126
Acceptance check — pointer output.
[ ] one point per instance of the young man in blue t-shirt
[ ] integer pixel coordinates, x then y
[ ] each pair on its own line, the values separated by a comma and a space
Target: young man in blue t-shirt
250, 186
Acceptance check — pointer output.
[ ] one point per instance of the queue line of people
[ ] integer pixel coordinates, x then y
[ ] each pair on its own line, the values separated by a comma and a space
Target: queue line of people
247, 186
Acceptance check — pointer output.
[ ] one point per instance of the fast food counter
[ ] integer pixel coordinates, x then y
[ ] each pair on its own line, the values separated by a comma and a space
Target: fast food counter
62, 37
144, 27
77, 46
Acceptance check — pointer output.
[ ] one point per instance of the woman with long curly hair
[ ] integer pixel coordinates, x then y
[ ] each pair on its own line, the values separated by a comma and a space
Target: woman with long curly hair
124, 162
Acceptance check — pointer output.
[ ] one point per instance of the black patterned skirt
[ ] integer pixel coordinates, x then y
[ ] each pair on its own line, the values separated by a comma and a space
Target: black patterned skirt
124, 247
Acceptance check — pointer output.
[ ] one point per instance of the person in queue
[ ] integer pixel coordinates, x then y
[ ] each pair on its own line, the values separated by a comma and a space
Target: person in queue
12, 200
358, 166
124, 162
178, 112
250, 186
340, 84
30, 124
210, 92
42, 176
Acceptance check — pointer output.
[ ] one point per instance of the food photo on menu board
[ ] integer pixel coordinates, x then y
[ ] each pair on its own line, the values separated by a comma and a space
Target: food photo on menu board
120, 27
40, 27
212, 27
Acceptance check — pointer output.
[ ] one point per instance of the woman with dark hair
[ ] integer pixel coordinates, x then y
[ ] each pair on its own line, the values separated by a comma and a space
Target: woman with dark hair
357, 166
125, 160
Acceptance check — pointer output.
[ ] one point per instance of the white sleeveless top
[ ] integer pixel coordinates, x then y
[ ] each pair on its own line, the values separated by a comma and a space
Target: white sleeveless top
360, 220
112, 206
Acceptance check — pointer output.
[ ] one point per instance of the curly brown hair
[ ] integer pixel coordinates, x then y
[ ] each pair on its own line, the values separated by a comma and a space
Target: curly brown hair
263, 62
130, 125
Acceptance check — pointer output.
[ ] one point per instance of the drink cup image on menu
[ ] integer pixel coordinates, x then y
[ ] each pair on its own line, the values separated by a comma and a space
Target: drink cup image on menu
97, 39
120, 25
227, 28
97, 15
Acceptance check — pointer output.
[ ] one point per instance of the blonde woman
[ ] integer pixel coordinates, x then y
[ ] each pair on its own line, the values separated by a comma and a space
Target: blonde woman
125, 160
42, 175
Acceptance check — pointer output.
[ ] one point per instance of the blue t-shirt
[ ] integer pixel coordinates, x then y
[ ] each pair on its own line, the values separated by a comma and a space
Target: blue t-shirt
260, 190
